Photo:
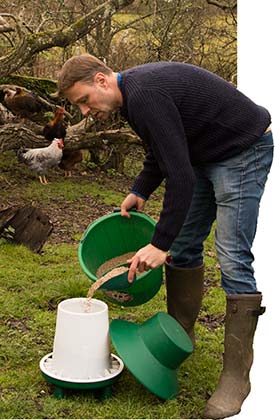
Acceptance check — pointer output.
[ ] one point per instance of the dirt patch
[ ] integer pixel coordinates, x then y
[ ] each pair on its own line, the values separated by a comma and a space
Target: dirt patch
211, 322
18, 324
70, 218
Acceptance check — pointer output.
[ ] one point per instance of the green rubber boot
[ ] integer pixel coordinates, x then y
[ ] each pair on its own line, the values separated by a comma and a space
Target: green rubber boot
184, 295
242, 312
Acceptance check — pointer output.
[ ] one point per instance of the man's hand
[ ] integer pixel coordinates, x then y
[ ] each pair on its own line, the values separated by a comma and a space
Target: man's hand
145, 259
130, 201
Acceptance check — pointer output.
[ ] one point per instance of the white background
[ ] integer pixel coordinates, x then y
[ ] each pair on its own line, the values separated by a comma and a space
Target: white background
256, 78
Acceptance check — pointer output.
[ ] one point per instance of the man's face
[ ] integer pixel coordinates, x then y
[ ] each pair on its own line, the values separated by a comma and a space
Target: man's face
97, 99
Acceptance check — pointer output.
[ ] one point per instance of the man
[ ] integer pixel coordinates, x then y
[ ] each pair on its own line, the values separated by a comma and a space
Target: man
213, 147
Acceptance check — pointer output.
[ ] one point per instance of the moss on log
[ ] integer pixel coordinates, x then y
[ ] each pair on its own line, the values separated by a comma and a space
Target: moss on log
43, 87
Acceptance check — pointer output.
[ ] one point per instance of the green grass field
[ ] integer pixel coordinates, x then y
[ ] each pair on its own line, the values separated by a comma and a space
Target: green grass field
32, 285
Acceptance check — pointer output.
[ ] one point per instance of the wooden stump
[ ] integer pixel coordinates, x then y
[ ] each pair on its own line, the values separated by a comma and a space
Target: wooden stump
25, 225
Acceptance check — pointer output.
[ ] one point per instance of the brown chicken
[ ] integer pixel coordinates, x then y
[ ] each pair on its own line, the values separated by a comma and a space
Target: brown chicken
57, 129
22, 103
69, 160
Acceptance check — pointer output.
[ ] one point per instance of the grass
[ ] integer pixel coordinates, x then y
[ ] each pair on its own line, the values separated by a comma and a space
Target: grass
32, 285
31, 288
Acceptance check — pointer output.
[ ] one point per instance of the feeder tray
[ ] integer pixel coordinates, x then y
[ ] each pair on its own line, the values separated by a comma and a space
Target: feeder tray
103, 385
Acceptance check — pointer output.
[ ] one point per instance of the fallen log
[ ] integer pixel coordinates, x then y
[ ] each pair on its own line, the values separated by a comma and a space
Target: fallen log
14, 136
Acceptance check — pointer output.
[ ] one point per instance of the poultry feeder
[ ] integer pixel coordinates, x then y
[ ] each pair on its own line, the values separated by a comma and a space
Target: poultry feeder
81, 358
153, 351
113, 235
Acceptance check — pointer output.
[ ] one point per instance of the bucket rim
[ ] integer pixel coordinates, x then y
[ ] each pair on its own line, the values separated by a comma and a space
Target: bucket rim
104, 306
116, 214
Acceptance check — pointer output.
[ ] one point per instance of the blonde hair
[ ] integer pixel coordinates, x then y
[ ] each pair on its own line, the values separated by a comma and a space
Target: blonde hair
81, 67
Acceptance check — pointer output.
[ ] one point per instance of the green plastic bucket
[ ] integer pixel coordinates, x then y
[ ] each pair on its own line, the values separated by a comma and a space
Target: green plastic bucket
113, 235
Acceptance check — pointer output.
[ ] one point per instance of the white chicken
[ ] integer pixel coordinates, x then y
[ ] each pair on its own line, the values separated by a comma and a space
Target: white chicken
43, 158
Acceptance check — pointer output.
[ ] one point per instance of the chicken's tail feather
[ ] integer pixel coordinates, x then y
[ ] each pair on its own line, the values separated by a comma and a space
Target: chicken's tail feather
21, 154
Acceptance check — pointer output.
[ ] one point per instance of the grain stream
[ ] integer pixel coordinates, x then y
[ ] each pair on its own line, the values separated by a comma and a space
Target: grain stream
111, 270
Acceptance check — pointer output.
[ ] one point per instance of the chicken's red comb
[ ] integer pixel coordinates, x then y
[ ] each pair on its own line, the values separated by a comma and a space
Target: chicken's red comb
60, 110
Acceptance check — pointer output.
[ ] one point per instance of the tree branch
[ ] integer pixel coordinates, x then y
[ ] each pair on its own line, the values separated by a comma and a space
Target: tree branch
5, 28
19, 28
13, 136
223, 5
31, 44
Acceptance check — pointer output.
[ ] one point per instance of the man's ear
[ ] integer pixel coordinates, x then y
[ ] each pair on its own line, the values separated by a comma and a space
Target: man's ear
101, 79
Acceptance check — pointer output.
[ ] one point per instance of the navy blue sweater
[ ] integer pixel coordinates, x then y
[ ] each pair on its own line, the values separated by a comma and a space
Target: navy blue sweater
188, 117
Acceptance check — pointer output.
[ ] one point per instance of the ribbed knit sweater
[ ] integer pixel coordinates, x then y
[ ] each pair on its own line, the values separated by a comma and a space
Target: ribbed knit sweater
188, 117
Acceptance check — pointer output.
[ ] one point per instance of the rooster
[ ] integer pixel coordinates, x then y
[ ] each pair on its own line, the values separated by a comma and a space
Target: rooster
22, 103
57, 129
43, 158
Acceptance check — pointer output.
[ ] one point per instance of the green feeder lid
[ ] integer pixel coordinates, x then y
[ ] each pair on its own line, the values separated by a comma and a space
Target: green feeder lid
153, 351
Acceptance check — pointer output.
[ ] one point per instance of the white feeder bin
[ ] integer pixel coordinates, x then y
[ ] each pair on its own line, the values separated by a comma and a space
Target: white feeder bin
81, 357
81, 349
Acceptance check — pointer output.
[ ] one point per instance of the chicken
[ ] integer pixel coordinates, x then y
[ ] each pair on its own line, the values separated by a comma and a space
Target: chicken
69, 159
42, 159
55, 129
21, 103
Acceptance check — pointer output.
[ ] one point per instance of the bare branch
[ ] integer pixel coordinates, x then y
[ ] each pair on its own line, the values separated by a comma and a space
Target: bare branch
19, 28
6, 29
131, 23
31, 44
4, 26
8, 39
222, 5
7, 15
44, 20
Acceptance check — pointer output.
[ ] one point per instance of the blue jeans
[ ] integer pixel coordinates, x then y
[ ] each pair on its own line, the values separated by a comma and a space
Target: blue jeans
228, 192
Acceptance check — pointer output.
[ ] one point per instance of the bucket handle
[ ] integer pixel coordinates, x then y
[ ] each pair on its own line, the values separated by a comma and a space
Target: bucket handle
117, 209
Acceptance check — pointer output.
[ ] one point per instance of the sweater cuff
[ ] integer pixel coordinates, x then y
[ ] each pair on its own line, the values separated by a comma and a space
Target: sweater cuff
162, 240
141, 187
139, 195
